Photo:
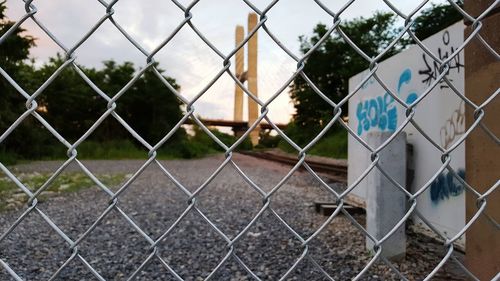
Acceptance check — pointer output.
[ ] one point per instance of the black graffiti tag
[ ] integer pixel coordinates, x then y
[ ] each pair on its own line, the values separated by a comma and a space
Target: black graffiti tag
432, 69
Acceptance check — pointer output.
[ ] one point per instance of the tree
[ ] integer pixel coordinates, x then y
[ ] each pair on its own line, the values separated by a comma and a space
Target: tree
68, 103
71, 106
15, 48
147, 106
151, 108
335, 61
14, 53
435, 19
331, 65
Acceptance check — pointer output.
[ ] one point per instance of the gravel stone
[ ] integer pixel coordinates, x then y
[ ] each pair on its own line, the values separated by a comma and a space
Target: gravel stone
193, 248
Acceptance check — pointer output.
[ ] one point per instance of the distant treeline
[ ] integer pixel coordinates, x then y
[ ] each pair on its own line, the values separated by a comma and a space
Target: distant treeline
71, 106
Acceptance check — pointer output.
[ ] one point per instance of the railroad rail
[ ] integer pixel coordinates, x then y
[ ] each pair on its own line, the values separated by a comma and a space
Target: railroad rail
337, 172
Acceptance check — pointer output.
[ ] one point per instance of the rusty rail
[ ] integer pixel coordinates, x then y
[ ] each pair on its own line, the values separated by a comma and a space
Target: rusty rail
337, 172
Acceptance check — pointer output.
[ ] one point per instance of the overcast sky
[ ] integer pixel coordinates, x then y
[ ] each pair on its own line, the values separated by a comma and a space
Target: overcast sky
187, 58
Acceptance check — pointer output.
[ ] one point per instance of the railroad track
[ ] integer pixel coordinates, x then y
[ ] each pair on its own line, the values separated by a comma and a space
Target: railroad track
335, 172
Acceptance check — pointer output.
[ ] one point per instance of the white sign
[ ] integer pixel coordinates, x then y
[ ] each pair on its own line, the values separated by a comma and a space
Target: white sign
441, 115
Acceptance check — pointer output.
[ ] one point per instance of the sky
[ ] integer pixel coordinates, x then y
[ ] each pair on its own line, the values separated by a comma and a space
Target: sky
186, 58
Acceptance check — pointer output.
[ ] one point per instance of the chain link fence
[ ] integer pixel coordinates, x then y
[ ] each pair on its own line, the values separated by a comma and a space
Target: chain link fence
266, 197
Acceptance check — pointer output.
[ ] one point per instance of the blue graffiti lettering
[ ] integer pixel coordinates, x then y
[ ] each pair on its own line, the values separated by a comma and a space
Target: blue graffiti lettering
405, 78
377, 112
380, 112
446, 186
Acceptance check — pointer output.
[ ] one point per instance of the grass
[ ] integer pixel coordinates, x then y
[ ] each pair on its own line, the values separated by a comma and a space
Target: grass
332, 145
11, 195
197, 146
115, 150
110, 150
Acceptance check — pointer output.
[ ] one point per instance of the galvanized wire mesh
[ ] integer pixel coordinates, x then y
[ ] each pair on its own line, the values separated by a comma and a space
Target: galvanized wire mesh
267, 197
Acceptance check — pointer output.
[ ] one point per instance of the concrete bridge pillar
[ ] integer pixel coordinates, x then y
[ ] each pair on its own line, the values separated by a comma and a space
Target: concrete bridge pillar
253, 107
239, 69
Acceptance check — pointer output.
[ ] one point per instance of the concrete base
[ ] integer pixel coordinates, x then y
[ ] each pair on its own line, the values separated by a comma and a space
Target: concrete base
386, 203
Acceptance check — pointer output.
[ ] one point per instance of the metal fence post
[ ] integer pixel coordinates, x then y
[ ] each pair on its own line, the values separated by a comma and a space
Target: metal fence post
482, 73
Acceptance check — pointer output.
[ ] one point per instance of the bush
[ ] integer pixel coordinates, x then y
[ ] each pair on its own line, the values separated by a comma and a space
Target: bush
268, 141
332, 144
113, 149
196, 146
8, 158
202, 144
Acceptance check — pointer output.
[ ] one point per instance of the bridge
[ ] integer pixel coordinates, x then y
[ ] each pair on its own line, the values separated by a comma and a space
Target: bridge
238, 126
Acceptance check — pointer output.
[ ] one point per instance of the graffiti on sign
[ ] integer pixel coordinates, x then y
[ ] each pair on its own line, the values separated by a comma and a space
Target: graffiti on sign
380, 112
377, 112
453, 127
446, 186
432, 70
405, 78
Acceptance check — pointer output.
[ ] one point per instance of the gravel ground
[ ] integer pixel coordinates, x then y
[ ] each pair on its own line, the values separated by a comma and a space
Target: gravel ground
193, 248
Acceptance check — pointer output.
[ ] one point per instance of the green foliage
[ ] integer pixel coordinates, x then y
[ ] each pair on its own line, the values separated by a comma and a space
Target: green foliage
200, 144
113, 149
149, 107
332, 144
65, 182
301, 135
14, 51
71, 106
266, 140
8, 157
335, 61
435, 19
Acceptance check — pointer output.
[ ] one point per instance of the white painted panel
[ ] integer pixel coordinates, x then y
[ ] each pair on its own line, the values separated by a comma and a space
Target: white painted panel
440, 115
